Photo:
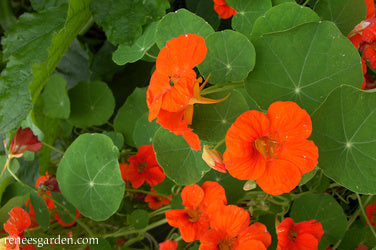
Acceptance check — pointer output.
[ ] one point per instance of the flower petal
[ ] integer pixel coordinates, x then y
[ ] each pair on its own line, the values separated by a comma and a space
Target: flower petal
192, 195
280, 177
289, 121
181, 55
241, 158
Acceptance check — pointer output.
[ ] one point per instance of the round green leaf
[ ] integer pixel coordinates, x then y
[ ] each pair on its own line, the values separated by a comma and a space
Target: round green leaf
247, 13
178, 23
42, 213
283, 17
91, 104
128, 54
133, 108
308, 176
344, 13
211, 121
89, 176
55, 98
230, 57
276, 2
179, 161
139, 218
144, 130
116, 137
343, 130
303, 65
325, 209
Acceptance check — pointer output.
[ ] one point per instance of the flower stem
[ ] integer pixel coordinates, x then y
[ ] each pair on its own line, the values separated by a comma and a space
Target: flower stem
160, 211
365, 216
352, 220
79, 222
56, 202
222, 87
219, 143
306, 2
5, 166
53, 148
146, 53
146, 192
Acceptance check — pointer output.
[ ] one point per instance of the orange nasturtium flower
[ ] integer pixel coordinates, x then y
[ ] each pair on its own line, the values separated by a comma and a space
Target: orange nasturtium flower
229, 229
156, 201
302, 235
142, 167
223, 10
15, 226
199, 203
168, 245
371, 214
272, 149
174, 88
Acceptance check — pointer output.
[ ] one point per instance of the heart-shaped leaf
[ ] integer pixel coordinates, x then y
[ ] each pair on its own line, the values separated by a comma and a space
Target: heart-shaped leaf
133, 108
282, 17
303, 65
343, 130
91, 104
179, 161
89, 176
325, 209
230, 57
211, 121
55, 98
144, 130
247, 13
344, 13
128, 54
178, 23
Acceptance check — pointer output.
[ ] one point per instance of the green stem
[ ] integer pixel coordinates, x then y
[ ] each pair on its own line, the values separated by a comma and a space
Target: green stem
56, 202
53, 148
219, 143
365, 216
154, 57
352, 220
221, 87
162, 210
79, 222
18, 180
146, 192
87, 26
127, 230
306, 2
5, 166
7, 17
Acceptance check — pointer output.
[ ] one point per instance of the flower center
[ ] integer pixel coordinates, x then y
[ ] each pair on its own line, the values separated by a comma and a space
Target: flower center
267, 146
141, 166
225, 244
292, 234
194, 214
